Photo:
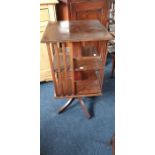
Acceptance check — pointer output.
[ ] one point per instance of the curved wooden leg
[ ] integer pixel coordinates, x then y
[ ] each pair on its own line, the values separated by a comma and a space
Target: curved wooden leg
84, 108
64, 107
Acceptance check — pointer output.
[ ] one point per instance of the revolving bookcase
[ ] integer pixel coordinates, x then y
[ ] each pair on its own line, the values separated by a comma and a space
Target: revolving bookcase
77, 52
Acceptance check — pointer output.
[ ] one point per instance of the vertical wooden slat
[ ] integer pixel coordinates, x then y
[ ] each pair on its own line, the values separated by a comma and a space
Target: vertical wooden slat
56, 73
101, 74
82, 47
58, 44
101, 47
50, 55
100, 79
72, 68
58, 68
77, 48
65, 66
106, 51
83, 43
103, 51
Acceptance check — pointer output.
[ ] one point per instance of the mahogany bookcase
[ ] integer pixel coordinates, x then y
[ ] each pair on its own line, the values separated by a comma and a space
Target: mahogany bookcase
77, 52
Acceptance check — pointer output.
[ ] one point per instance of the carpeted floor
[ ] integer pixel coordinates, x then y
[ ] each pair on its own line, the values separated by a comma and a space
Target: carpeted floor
70, 133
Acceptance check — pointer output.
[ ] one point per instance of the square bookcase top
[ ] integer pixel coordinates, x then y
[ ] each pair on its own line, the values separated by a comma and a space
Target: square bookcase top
75, 31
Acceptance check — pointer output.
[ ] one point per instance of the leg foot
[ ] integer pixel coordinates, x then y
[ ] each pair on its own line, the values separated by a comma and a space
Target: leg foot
84, 108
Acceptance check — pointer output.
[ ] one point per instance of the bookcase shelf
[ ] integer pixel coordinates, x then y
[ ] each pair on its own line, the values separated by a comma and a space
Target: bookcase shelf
84, 85
88, 64
89, 60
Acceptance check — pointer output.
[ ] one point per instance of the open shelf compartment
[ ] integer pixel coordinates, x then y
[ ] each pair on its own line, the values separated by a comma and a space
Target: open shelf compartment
85, 85
89, 60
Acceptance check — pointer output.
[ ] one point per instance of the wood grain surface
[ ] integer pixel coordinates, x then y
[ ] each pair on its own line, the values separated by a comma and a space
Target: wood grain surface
74, 31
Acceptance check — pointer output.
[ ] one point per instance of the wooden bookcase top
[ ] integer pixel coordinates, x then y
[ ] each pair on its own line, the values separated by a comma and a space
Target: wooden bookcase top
75, 31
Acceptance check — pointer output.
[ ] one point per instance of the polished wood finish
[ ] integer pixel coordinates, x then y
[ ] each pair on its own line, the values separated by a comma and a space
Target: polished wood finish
77, 65
83, 10
65, 67
75, 31
83, 84
89, 10
50, 54
84, 108
69, 102
64, 107
60, 79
